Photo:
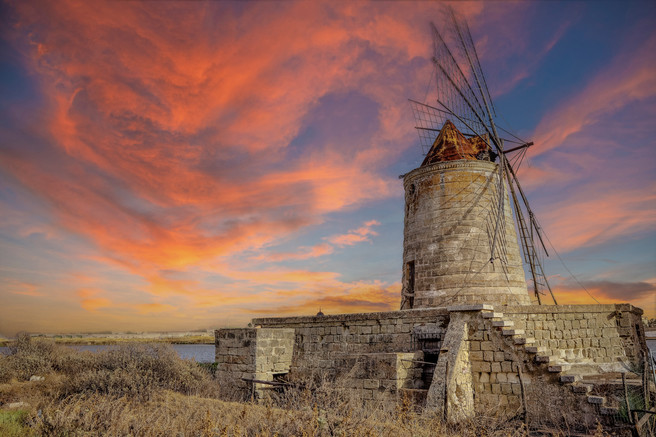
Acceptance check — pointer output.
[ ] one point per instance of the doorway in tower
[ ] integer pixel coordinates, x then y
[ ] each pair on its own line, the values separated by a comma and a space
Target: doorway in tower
410, 283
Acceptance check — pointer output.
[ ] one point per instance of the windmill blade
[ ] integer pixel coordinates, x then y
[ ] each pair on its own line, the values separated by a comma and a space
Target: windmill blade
525, 237
469, 52
429, 121
534, 224
456, 94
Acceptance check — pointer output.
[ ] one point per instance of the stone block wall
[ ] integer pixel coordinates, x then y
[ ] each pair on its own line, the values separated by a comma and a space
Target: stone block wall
494, 367
595, 338
322, 341
481, 353
451, 213
599, 334
273, 352
379, 376
235, 353
253, 353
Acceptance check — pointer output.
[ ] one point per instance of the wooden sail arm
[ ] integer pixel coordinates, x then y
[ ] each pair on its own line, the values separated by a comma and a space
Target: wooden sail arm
523, 146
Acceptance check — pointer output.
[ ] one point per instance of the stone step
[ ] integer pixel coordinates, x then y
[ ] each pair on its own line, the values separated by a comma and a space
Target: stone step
545, 359
502, 324
569, 379
535, 349
491, 315
609, 411
582, 388
521, 340
512, 332
559, 367
596, 400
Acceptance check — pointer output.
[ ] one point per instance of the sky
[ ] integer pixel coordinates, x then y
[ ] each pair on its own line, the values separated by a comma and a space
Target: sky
192, 165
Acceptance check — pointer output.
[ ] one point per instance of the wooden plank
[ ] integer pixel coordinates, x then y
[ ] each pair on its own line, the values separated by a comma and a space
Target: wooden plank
626, 399
645, 418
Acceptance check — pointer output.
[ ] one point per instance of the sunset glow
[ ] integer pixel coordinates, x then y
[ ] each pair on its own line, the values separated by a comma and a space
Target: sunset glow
186, 165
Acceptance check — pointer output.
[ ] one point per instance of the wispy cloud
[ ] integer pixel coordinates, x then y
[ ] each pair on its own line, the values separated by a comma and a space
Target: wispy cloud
354, 236
640, 293
628, 78
358, 297
92, 300
302, 254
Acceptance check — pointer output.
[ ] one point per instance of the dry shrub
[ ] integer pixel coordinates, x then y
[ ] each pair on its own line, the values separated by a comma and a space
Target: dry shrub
168, 413
29, 356
137, 370
126, 370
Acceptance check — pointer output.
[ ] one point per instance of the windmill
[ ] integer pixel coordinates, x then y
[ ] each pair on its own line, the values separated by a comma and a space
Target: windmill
464, 100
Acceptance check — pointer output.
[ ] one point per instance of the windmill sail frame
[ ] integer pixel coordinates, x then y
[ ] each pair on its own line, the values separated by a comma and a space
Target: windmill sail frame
464, 99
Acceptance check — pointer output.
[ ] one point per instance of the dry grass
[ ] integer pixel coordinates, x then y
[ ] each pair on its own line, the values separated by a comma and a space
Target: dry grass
145, 390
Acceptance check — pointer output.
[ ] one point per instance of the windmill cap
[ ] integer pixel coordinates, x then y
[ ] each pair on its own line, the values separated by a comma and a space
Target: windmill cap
452, 145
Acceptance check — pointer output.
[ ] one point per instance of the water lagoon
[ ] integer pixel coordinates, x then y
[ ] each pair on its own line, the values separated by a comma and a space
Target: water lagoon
202, 353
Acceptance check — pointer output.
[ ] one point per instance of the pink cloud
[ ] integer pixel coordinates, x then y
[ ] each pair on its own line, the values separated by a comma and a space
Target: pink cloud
355, 236
303, 253
628, 78
587, 220
23, 288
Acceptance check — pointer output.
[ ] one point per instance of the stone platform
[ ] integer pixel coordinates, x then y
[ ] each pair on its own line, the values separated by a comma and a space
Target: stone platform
461, 359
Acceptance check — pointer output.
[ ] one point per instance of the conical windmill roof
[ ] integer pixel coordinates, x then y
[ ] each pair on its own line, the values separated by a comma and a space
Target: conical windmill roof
452, 145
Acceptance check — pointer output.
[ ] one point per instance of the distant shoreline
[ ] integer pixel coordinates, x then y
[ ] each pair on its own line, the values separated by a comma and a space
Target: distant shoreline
159, 337
111, 339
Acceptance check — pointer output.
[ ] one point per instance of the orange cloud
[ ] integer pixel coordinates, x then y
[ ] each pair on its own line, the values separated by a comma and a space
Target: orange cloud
641, 294
23, 288
282, 276
148, 308
353, 298
304, 253
177, 144
90, 302
355, 235
586, 220
171, 151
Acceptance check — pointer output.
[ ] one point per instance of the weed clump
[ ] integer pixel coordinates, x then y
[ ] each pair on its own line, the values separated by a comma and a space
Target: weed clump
133, 370
29, 356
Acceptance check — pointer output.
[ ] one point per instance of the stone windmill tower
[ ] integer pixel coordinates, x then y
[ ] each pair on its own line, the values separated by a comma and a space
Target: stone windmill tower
460, 244
451, 211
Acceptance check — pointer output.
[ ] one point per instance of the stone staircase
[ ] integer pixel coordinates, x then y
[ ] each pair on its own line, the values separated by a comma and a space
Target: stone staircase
568, 374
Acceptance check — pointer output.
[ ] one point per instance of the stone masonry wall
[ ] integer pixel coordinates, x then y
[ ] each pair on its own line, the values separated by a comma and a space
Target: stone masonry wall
379, 354
497, 355
253, 353
494, 363
451, 211
591, 334
322, 340
373, 354
380, 376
